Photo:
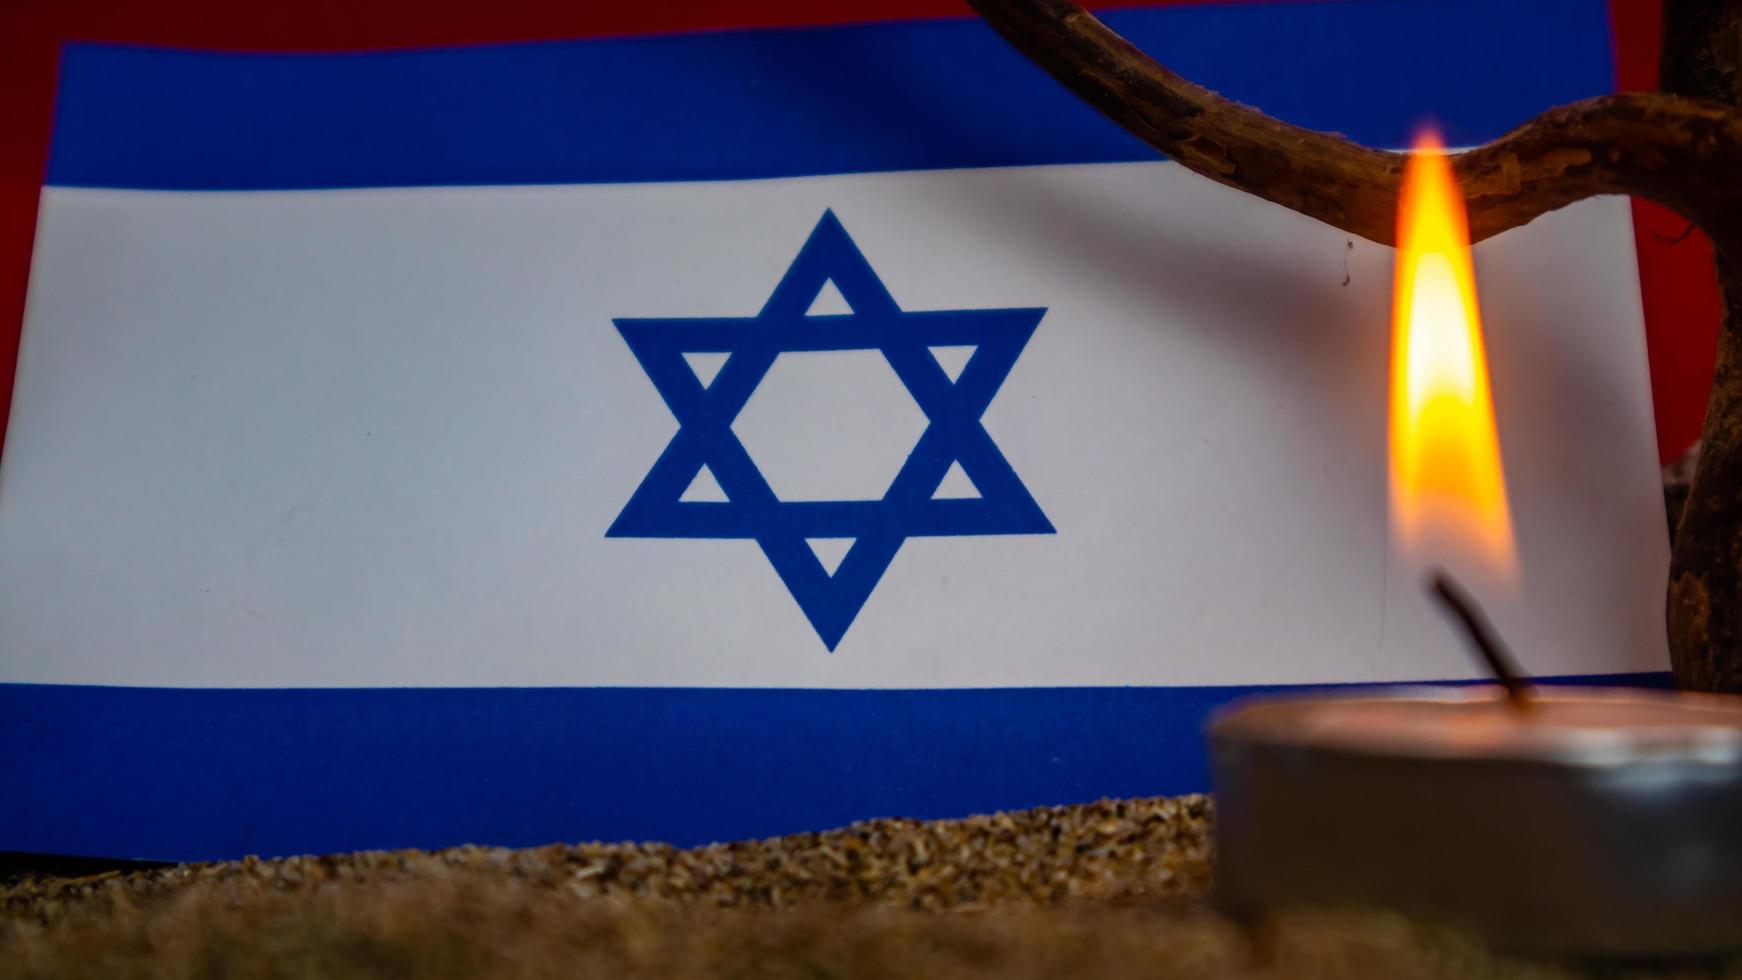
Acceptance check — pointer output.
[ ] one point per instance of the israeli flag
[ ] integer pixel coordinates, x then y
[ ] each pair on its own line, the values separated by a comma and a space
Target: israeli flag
710, 436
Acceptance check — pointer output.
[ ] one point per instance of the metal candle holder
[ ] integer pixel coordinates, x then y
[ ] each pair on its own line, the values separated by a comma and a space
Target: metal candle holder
1578, 821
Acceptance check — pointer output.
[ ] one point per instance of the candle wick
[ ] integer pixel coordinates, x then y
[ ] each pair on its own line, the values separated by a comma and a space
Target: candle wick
1482, 637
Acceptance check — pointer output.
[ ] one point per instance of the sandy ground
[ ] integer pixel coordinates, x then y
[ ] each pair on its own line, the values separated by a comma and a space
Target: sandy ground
1112, 890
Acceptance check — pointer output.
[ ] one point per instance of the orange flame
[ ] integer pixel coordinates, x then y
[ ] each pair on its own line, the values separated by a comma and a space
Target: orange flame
1448, 492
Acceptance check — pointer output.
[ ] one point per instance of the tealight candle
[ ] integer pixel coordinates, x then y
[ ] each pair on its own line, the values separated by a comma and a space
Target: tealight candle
1593, 822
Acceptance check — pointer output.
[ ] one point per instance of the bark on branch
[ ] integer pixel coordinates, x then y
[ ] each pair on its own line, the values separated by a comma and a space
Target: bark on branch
1662, 147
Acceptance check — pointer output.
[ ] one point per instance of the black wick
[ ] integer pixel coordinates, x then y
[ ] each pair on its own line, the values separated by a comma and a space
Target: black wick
1482, 637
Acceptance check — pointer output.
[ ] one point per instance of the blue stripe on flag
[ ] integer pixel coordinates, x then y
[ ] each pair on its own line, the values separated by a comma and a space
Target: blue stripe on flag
777, 103
191, 774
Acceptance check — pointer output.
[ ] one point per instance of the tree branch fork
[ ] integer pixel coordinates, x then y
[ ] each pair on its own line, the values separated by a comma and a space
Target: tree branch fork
1678, 151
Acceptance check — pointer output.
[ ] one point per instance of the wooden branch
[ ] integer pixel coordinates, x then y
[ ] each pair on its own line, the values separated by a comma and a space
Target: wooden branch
1699, 55
1673, 150
1702, 58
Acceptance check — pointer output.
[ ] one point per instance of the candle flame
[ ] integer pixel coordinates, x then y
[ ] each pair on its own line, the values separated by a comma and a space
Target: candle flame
1448, 492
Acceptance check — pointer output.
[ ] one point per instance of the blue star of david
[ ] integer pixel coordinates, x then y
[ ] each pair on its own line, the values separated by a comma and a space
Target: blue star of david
953, 432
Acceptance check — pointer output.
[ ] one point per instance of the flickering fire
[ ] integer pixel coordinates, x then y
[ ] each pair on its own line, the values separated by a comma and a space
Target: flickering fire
1448, 491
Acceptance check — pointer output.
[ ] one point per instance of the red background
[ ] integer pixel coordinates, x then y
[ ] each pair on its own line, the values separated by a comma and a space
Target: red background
1680, 298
